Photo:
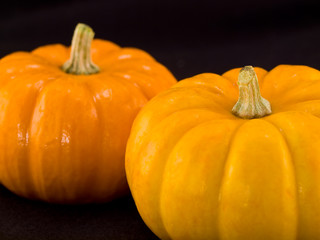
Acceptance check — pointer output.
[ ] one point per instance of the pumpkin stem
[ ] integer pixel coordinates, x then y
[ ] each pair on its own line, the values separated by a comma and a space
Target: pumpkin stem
80, 58
250, 103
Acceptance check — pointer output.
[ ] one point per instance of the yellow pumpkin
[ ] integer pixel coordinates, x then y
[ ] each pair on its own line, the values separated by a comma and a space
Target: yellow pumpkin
64, 124
205, 162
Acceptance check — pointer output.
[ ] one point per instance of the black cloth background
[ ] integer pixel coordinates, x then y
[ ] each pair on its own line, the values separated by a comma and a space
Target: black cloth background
189, 37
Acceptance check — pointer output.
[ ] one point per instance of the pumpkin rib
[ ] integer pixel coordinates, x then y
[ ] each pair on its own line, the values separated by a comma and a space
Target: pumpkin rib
220, 97
137, 53
187, 109
167, 97
62, 141
126, 78
182, 97
140, 62
54, 54
242, 188
145, 149
39, 188
93, 181
32, 194
159, 72
168, 118
301, 101
26, 59
11, 184
305, 106
279, 90
101, 49
213, 91
121, 55
287, 98
113, 183
209, 93
140, 78
144, 78
223, 176
302, 130
292, 163
188, 138
121, 76
172, 147
138, 147
210, 85
15, 56
102, 129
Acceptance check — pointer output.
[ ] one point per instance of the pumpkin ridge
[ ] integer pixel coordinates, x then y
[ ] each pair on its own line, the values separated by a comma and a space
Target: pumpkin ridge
225, 172
15, 56
187, 132
208, 88
125, 82
168, 156
294, 78
282, 133
183, 110
159, 191
291, 107
303, 128
98, 108
204, 89
164, 114
226, 97
53, 54
27, 135
303, 101
209, 85
143, 147
147, 79
44, 85
34, 62
116, 57
137, 53
239, 220
39, 187
287, 94
92, 177
142, 78
45, 185
164, 118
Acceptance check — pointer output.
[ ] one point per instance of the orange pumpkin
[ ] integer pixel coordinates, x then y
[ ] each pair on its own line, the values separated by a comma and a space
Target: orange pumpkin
201, 165
64, 124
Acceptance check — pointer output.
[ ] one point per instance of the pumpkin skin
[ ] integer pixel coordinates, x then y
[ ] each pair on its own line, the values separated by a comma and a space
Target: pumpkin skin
196, 171
63, 136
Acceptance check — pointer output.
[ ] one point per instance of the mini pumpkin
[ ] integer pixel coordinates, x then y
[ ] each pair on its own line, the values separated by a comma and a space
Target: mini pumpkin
64, 123
205, 162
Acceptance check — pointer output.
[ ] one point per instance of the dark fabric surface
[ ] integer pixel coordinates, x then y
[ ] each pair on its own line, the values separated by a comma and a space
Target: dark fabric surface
22, 219
189, 37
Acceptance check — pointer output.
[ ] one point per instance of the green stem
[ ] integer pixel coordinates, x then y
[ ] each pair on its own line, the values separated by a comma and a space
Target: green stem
80, 58
250, 103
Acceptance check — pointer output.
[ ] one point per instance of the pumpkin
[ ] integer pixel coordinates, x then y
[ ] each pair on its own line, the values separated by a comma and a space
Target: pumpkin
64, 123
208, 161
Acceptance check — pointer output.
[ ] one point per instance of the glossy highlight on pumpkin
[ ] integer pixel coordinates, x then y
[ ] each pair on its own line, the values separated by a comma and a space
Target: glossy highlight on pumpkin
62, 135
197, 171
